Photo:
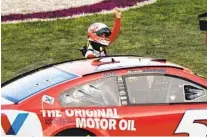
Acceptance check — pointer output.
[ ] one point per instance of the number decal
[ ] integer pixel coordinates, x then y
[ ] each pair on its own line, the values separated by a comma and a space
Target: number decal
194, 122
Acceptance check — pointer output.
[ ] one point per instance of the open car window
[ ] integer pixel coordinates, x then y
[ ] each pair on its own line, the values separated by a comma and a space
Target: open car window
102, 92
153, 89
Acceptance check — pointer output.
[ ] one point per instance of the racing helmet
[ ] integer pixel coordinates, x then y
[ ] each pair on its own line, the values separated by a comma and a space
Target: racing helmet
99, 33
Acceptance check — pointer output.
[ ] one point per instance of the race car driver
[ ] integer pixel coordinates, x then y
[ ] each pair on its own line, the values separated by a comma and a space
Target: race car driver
100, 37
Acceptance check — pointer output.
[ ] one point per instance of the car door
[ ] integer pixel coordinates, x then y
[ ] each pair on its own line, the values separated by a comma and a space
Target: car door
100, 106
149, 105
165, 105
92, 105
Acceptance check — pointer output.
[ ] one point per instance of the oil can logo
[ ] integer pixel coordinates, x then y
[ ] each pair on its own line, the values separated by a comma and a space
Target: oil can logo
48, 99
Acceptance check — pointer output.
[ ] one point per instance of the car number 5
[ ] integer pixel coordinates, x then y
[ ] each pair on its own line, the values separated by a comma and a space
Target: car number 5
194, 122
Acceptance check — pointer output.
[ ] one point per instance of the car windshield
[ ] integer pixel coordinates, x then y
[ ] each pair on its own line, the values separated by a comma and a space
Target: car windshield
101, 92
31, 84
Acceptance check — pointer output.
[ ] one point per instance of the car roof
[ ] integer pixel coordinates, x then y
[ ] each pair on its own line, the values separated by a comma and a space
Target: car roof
83, 67
89, 66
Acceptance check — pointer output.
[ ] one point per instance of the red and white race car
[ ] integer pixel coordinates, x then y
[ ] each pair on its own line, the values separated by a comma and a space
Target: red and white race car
110, 96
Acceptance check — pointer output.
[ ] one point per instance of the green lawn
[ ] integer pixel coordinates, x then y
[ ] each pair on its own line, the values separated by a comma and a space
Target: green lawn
167, 29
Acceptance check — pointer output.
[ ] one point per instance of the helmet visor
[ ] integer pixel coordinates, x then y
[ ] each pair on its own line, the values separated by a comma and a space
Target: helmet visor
105, 31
